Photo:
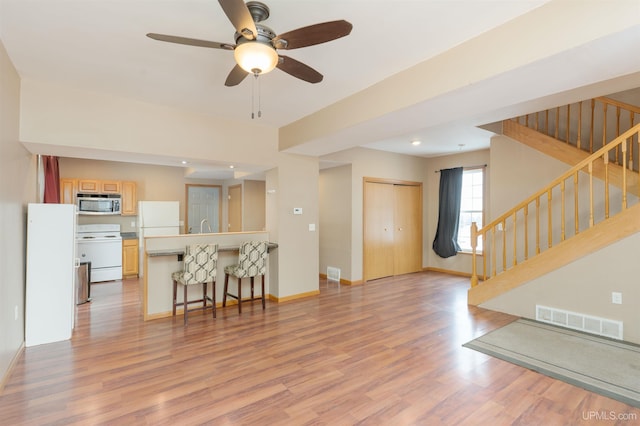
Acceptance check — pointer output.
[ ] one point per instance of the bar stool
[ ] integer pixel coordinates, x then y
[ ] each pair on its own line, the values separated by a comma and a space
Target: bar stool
199, 267
252, 262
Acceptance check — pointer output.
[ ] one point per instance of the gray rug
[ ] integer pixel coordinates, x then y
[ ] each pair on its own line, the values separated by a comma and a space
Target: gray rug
605, 366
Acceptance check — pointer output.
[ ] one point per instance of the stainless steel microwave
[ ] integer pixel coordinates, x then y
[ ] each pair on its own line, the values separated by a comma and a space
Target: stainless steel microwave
99, 203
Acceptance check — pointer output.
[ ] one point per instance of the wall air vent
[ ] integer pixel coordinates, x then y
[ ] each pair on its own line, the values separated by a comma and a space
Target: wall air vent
333, 274
577, 321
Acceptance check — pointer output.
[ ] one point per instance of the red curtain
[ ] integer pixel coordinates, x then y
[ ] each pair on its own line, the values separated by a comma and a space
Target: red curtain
51, 179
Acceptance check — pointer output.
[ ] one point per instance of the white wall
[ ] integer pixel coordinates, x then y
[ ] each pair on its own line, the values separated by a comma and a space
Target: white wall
17, 189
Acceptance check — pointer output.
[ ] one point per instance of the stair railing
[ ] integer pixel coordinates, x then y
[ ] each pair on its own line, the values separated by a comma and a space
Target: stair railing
588, 125
566, 206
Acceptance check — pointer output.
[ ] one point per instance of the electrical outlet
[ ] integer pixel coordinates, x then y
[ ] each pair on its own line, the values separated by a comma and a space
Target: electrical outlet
616, 298
133, 223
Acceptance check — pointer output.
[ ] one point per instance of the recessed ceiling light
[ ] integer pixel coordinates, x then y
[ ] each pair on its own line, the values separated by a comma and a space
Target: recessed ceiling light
416, 142
184, 161
232, 166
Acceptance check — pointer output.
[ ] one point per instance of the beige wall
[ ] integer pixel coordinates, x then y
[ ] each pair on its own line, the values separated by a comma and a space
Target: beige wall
583, 286
294, 184
335, 220
17, 189
67, 117
378, 164
253, 206
517, 172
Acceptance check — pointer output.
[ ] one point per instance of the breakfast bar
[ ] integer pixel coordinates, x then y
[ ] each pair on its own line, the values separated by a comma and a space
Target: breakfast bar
162, 255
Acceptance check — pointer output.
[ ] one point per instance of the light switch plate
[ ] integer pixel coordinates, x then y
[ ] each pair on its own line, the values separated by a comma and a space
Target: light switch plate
297, 210
312, 227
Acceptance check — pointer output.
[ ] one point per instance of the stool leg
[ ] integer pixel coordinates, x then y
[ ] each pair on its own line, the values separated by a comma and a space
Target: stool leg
175, 296
239, 295
204, 297
185, 306
226, 287
263, 292
213, 298
251, 288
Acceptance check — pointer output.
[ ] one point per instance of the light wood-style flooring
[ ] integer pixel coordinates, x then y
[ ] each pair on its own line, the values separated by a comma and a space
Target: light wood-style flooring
384, 353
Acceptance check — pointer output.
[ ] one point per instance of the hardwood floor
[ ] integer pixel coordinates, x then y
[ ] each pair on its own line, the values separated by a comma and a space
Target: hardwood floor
384, 353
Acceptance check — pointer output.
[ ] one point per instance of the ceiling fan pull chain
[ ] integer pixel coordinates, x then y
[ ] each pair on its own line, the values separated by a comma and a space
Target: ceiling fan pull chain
259, 98
253, 103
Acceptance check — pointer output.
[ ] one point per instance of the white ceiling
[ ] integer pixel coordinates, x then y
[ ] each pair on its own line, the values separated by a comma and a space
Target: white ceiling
100, 46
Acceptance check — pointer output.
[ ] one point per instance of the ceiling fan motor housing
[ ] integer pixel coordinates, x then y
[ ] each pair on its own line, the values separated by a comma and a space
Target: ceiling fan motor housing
265, 35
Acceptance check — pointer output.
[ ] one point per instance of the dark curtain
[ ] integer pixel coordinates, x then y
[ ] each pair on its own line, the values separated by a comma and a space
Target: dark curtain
51, 179
445, 244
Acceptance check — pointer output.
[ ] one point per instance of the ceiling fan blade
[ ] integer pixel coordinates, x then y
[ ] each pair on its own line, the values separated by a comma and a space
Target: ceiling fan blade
299, 70
239, 15
191, 41
313, 34
236, 76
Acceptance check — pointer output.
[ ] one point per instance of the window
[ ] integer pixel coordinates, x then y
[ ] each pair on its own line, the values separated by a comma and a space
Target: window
470, 207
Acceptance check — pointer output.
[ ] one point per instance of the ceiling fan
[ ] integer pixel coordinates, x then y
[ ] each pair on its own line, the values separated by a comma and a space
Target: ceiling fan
256, 44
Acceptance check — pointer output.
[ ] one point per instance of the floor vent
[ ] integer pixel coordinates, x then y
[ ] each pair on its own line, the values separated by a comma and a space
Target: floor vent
333, 274
590, 324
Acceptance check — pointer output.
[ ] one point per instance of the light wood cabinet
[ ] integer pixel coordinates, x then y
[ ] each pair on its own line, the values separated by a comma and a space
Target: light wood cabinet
70, 187
129, 199
129, 258
93, 186
88, 186
110, 187
68, 191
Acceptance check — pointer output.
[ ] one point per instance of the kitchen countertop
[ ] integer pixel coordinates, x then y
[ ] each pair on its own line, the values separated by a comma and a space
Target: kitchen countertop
180, 251
129, 235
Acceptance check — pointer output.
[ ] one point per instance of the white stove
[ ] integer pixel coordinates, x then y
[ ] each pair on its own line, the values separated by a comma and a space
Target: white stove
101, 244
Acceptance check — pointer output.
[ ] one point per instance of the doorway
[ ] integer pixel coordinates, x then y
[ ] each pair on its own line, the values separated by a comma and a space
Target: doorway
392, 228
204, 209
235, 209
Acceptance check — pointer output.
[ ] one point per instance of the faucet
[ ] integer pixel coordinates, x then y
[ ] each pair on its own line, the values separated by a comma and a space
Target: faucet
202, 222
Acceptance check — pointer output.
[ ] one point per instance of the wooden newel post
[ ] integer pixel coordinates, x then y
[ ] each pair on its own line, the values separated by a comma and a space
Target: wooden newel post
474, 244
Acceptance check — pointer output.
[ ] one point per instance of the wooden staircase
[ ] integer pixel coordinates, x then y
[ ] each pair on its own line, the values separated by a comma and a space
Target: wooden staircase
593, 204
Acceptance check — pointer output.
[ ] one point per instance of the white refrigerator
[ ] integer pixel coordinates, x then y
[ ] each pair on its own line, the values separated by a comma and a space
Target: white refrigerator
156, 218
51, 273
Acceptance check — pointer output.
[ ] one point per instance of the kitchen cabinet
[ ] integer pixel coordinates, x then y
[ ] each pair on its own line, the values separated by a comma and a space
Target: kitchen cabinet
70, 187
88, 186
68, 191
110, 187
129, 199
94, 186
129, 258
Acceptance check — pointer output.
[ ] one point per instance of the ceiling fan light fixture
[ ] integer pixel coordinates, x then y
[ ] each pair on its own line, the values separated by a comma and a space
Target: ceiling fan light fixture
255, 57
